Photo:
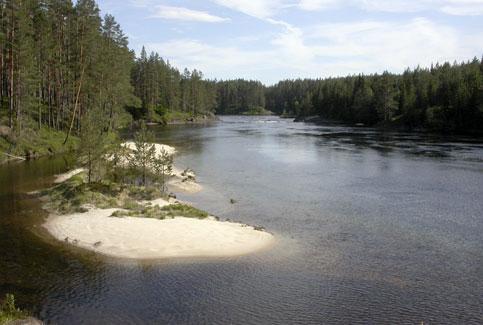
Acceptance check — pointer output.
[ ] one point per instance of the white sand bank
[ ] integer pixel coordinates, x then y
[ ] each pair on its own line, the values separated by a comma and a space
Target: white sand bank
143, 238
180, 182
178, 185
65, 176
160, 148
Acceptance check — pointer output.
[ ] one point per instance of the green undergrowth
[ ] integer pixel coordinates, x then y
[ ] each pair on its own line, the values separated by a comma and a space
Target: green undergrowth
72, 195
9, 312
257, 111
30, 143
157, 212
170, 117
176, 116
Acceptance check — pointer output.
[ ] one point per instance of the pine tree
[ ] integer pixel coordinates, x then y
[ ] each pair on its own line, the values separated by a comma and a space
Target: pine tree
144, 154
94, 143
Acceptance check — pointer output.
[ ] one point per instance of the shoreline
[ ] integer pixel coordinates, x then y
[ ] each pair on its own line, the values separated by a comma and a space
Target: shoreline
140, 238
113, 232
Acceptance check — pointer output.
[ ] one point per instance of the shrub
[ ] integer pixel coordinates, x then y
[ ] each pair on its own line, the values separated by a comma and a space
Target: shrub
8, 311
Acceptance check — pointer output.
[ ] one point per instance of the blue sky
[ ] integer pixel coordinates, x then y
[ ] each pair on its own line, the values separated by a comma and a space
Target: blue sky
271, 40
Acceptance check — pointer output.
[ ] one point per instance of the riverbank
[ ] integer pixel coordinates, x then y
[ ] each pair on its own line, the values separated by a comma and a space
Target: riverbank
142, 223
148, 238
396, 125
33, 144
181, 118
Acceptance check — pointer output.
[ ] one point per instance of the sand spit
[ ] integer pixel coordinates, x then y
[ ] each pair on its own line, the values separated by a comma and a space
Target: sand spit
148, 238
144, 238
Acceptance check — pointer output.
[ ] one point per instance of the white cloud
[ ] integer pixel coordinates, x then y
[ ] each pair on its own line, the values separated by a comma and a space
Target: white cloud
140, 3
256, 8
394, 46
464, 8
225, 61
311, 5
328, 50
185, 14
451, 7
269, 8
324, 50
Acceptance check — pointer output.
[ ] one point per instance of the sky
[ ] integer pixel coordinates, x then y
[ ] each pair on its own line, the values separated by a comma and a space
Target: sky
272, 40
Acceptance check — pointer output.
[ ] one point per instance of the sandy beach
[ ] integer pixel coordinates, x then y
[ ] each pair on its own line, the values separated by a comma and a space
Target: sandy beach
149, 238
144, 238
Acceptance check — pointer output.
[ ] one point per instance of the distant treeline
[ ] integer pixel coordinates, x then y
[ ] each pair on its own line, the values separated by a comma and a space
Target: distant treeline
60, 60
447, 97
163, 90
239, 96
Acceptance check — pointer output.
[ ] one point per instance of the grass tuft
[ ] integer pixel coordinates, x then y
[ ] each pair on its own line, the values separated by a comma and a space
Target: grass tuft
73, 194
161, 213
9, 312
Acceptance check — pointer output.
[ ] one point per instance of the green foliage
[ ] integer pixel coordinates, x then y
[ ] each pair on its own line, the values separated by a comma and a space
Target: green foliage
94, 144
9, 312
73, 194
144, 154
240, 97
165, 92
257, 111
173, 116
162, 168
435, 118
169, 211
385, 93
36, 143
115, 163
61, 60
443, 98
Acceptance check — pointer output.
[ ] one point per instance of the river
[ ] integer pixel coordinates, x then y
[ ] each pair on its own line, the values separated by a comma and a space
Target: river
372, 227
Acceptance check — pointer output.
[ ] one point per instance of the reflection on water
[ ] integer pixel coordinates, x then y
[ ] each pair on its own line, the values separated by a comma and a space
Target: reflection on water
372, 228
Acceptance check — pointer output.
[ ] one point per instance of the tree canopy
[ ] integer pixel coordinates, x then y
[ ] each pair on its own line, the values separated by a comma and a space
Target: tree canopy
444, 97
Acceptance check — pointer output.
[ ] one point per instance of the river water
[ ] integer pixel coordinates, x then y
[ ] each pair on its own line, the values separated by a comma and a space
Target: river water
372, 227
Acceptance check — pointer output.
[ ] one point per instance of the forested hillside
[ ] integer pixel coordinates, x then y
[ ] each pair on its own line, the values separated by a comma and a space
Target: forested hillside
444, 97
59, 60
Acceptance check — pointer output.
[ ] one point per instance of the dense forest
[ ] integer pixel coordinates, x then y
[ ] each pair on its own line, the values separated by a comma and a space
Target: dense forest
165, 92
240, 96
60, 60
447, 97
57, 61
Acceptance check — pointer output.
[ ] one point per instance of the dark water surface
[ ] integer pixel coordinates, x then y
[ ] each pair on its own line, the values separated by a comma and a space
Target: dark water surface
372, 228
